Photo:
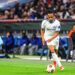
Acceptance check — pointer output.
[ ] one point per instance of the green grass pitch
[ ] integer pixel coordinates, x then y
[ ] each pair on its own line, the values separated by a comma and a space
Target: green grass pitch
32, 67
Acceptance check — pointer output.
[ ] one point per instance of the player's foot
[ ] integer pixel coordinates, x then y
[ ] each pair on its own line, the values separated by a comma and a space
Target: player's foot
61, 68
54, 63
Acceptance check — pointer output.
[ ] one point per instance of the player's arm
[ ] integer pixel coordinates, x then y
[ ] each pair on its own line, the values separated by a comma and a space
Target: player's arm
42, 31
69, 35
56, 34
42, 35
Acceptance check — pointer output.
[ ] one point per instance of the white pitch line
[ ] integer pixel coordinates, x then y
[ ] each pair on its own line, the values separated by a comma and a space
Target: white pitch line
28, 58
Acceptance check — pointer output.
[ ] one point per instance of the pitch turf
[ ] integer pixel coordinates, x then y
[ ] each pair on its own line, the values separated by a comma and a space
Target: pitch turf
32, 67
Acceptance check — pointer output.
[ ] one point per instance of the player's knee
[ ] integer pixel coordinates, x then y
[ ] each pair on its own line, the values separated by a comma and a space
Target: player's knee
52, 51
56, 51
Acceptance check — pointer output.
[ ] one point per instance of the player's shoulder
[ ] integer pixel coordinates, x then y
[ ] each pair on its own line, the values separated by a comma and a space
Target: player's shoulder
57, 21
72, 30
44, 21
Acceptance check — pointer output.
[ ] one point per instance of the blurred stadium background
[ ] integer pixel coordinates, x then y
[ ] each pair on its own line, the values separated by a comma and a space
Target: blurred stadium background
23, 18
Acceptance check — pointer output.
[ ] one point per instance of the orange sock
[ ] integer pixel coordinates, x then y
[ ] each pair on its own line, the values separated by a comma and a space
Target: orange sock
61, 68
54, 63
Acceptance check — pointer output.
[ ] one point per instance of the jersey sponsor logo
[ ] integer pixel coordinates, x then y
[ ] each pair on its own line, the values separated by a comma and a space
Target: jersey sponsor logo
57, 26
51, 29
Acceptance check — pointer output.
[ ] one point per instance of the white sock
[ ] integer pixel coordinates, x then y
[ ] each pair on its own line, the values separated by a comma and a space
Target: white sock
55, 57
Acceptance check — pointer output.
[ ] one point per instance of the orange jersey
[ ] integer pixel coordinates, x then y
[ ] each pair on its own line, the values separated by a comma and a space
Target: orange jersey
69, 35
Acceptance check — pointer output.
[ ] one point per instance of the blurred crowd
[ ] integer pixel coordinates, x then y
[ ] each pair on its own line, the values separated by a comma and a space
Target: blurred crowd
37, 9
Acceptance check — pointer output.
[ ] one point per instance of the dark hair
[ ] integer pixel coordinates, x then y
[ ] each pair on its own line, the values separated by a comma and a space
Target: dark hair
10, 32
50, 12
23, 35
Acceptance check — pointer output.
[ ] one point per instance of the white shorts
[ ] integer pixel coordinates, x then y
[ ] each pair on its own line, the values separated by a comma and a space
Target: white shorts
54, 42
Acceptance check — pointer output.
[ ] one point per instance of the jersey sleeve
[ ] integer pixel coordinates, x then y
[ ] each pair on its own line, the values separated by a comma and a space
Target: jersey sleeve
69, 35
43, 24
58, 26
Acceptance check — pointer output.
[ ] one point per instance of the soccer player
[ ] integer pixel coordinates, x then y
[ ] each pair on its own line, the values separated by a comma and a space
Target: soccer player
50, 29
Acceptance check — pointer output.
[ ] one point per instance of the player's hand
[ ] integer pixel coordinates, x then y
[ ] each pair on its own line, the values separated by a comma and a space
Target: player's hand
49, 40
43, 41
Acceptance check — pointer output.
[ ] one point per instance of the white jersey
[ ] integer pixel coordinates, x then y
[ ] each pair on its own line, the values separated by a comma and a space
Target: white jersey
50, 28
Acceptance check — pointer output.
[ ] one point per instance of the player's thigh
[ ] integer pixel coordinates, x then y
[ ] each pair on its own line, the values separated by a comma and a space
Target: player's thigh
56, 48
51, 48
56, 45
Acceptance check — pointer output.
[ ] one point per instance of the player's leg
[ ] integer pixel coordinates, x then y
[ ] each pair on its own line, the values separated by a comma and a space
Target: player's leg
55, 57
56, 49
54, 62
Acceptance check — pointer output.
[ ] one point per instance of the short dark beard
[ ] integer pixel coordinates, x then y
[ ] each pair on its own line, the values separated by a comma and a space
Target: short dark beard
51, 21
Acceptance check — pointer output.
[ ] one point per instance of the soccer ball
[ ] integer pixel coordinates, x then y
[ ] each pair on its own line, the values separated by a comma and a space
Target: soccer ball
50, 68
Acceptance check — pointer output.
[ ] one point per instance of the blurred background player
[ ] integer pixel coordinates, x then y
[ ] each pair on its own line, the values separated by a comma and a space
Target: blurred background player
72, 35
9, 43
23, 44
1, 43
51, 36
33, 45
